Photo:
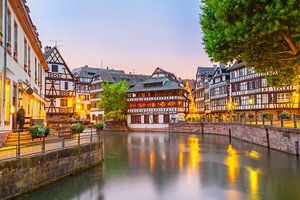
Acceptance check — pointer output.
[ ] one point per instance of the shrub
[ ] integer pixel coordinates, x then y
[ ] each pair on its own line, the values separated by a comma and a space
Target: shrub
285, 115
100, 125
77, 128
39, 131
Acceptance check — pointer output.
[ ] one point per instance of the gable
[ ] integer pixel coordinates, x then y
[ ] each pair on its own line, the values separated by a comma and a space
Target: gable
55, 57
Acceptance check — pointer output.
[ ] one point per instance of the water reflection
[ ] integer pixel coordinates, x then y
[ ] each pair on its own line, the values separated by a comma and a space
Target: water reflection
232, 163
150, 166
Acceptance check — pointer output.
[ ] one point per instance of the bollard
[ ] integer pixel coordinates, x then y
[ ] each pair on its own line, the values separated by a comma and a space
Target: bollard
256, 122
43, 145
78, 138
271, 120
281, 122
229, 133
263, 121
295, 121
297, 147
268, 138
19, 145
91, 134
202, 128
63, 142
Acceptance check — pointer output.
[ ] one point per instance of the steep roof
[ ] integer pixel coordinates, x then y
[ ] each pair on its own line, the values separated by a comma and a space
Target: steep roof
159, 81
205, 71
52, 55
111, 75
85, 72
155, 84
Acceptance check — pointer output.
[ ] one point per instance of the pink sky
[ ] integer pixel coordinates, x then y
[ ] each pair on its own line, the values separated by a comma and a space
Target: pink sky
134, 35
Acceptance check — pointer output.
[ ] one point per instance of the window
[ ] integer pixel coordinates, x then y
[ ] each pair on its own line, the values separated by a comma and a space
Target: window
135, 119
25, 56
166, 119
54, 68
264, 83
9, 26
16, 40
258, 99
243, 86
283, 98
265, 98
64, 103
66, 85
146, 119
35, 70
29, 63
155, 119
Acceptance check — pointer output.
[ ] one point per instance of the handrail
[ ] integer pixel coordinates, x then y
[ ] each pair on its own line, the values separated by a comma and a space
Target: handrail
25, 147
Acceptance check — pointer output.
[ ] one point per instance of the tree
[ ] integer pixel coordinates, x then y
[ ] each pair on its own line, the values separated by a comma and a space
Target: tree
113, 100
264, 34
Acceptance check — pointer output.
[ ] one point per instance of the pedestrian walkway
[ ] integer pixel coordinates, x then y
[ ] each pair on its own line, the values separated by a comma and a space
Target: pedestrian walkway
52, 143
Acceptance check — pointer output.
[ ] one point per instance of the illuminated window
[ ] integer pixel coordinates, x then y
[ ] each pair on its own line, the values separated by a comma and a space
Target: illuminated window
64, 102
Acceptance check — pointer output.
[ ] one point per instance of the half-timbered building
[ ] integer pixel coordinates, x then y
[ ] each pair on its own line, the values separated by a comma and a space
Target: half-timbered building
156, 102
60, 93
201, 93
219, 87
84, 76
109, 76
252, 93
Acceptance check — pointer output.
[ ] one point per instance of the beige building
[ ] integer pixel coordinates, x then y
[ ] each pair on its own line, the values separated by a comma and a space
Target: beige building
26, 66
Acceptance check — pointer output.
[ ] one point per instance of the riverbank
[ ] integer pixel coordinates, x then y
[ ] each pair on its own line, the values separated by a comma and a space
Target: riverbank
277, 138
19, 176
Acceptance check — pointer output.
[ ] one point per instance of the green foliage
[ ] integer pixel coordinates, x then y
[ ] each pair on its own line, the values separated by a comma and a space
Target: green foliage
39, 131
265, 35
285, 115
116, 116
113, 100
77, 128
100, 125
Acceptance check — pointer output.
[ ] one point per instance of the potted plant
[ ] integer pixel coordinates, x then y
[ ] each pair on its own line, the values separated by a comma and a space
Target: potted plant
9, 48
99, 126
39, 131
77, 128
285, 115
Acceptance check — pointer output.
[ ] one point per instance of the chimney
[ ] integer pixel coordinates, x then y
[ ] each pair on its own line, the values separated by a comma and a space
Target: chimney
47, 48
86, 66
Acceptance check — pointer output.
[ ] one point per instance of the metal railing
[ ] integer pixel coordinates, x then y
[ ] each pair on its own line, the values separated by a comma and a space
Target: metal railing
20, 144
270, 120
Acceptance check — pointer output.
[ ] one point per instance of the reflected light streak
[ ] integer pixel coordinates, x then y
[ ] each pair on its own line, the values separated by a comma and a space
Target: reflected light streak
232, 163
254, 182
181, 156
194, 157
152, 160
254, 154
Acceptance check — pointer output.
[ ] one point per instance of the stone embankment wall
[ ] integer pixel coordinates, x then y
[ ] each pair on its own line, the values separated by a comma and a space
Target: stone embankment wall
21, 176
282, 139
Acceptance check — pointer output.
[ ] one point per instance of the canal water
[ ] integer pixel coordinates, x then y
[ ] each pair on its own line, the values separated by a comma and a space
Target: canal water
154, 166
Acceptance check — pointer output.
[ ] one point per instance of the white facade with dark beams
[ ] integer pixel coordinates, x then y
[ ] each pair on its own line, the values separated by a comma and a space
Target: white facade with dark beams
252, 93
219, 87
156, 102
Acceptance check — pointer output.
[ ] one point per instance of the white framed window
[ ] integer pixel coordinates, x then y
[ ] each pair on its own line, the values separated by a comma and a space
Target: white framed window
283, 98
